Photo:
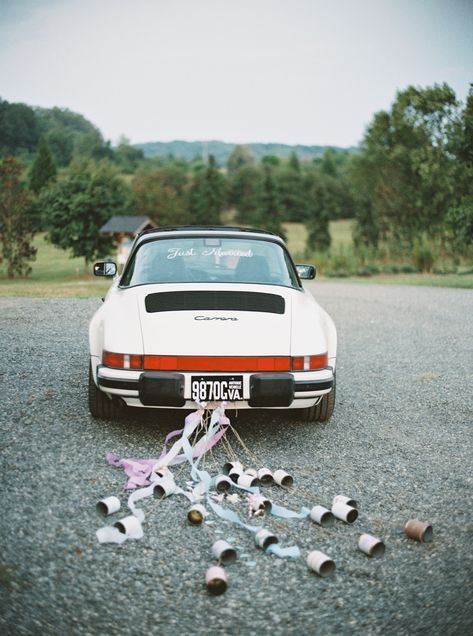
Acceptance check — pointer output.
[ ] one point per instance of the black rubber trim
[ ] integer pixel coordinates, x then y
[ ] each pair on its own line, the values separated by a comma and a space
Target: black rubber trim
215, 301
126, 385
313, 385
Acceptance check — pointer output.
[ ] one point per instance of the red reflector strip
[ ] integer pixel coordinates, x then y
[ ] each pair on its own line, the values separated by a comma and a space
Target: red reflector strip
217, 363
113, 360
319, 362
122, 360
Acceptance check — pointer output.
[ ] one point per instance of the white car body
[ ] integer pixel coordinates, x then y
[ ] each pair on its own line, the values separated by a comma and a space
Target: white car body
143, 321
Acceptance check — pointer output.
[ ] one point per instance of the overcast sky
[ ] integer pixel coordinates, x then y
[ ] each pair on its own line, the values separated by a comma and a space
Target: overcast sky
290, 71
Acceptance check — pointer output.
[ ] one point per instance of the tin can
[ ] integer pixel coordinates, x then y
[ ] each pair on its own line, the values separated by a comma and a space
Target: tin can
419, 530
224, 552
108, 505
265, 476
229, 466
320, 563
344, 512
223, 483
372, 546
129, 525
164, 488
322, 516
247, 481
196, 514
216, 580
345, 500
264, 538
283, 479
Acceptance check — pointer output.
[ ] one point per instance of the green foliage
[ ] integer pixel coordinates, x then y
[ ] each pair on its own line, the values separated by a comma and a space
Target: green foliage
78, 205
128, 158
160, 194
460, 227
43, 170
318, 216
16, 226
240, 156
403, 179
71, 135
270, 213
244, 192
207, 195
423, 254
18, 128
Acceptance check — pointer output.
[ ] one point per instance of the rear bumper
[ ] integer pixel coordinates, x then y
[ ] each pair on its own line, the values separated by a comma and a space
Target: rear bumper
260, 390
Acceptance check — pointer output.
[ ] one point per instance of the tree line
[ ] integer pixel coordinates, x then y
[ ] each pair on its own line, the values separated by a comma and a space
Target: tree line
409, 182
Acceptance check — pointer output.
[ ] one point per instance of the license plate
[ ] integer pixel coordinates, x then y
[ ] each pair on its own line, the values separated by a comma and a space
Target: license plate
211, 388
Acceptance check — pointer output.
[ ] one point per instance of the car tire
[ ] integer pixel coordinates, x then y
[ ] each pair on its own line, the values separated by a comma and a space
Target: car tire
322, 411
101, 407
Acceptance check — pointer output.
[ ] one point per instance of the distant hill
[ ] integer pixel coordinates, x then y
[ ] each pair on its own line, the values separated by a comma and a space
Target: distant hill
221, 150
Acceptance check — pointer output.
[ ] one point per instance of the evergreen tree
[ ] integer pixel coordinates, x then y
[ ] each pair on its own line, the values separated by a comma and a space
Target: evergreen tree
239, 157
43, 170
270, 215
294, 163
16, 226
245, 191
207, 195
318, 217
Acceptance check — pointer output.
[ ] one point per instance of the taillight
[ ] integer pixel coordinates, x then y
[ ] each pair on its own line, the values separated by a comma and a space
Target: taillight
122, 360
217, 363
309, 363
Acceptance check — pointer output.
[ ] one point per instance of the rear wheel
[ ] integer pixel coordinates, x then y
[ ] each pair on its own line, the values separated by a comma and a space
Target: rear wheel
322, 411
100, 405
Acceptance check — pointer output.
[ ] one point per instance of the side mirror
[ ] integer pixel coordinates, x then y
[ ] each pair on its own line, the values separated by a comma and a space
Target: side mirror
105, 268
306, 272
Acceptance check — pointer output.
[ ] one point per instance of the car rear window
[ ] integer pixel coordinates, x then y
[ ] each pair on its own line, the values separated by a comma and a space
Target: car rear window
209, 259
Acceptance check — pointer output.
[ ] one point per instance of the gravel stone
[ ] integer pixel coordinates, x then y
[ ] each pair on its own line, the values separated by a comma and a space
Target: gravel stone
399, 443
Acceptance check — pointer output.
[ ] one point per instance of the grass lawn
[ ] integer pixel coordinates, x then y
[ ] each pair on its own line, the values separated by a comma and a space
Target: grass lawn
56, 274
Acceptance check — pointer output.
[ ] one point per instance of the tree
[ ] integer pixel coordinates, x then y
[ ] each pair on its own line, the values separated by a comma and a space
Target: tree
291, 194
160, 194
270, 215
43, 170
76, 207
239, 157
18, 128
244, 192
16, 226
207, 195
405, 167
318, 216
459, 219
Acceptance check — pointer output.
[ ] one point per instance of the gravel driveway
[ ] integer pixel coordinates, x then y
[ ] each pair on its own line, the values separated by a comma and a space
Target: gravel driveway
400, 443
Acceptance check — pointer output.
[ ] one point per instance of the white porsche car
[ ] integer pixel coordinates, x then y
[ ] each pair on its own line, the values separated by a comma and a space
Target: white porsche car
211, 314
